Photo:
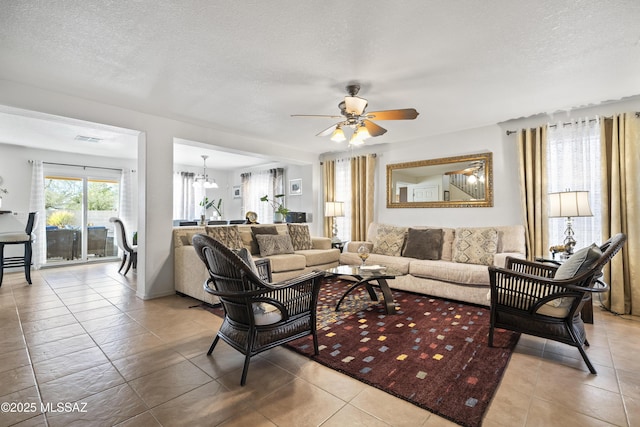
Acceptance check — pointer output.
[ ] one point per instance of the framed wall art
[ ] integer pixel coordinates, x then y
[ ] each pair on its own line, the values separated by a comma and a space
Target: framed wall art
295, 187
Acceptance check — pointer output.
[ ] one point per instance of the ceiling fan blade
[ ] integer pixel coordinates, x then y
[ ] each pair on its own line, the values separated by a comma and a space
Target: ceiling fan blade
317, 115
374, 129
328, 131
403, 114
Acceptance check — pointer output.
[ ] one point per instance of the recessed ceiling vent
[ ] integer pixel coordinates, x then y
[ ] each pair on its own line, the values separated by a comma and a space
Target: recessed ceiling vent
87, 138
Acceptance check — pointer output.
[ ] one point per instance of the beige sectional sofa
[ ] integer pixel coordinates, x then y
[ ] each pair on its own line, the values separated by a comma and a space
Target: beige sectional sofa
307, 253
455, 264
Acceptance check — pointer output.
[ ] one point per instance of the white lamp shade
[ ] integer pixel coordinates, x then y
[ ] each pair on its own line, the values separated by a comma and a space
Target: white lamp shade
355, 105
338, 135
569, 204
334, 209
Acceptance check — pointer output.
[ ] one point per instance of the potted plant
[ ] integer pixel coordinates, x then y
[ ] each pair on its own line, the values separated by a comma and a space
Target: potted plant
280, 212
207, 204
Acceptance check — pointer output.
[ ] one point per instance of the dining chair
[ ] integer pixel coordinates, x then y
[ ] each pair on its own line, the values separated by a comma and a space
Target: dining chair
130, 252
18, 238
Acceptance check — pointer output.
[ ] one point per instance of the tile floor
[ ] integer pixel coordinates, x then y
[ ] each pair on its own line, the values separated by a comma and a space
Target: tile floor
79, 336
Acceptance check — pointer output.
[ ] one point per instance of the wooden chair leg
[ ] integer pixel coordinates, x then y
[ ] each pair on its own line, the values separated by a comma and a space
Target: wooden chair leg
243, 380
128, 264
1, 262
28, 251
124, 259
213, 345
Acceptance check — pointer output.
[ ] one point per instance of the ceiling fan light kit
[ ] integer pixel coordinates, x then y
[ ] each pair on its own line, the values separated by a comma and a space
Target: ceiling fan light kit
354, 115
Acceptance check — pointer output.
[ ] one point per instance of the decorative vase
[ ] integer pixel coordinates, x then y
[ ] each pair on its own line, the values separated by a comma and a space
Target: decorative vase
203, 219
278, 217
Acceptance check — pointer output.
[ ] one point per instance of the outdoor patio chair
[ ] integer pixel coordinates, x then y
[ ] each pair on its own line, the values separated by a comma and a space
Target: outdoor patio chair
258, 315
546, 300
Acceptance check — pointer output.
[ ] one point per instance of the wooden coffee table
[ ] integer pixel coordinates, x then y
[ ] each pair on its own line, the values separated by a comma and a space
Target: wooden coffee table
368, 278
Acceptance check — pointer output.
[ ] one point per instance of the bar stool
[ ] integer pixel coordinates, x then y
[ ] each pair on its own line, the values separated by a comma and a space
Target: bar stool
18, 238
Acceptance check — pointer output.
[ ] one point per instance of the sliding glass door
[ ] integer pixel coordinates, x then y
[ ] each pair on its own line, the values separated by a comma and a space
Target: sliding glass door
79, 204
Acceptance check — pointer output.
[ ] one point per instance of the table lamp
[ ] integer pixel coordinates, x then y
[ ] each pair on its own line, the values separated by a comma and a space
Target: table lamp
334, 209
569, 204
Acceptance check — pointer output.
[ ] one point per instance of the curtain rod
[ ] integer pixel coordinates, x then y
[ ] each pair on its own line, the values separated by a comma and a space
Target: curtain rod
80, 166
374, 155
509, 132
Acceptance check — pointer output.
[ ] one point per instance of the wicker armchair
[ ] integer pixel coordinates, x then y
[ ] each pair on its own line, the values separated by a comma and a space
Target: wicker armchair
526, 297
258, 315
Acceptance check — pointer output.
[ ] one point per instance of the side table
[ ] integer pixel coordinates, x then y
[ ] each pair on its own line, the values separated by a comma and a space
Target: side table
338, 245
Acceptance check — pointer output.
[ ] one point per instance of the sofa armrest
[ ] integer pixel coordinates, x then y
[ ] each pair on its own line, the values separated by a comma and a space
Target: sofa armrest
354, 245
321, 242
500, 259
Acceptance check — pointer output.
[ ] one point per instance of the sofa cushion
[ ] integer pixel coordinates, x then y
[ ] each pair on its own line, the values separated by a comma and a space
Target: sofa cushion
389, 240
475, 245
300, 236
183, 235
423, 244
274, 244
245, 256
452, 272
320, 256
287, 262
227, 235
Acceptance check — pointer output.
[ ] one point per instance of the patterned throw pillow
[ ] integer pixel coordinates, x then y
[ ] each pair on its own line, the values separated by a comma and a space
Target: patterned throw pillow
227, 235
300, 236
271, 244
389, 240
475, 245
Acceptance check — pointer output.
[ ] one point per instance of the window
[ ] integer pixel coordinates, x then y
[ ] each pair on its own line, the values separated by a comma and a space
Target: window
573, 163
258, 184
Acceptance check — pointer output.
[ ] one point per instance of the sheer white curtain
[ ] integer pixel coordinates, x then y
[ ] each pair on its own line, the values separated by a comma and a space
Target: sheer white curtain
126, 210
36, 204
573, 163
343, 194
184, 199
258, 184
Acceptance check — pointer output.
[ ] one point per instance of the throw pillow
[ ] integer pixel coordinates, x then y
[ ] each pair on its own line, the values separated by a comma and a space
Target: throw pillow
300, 236
475, 245
227, 235
423, 244
578, 263
264, 229
274, 244
389, 240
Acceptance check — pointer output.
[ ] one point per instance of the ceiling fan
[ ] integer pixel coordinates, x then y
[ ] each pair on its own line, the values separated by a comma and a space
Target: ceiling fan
360, 122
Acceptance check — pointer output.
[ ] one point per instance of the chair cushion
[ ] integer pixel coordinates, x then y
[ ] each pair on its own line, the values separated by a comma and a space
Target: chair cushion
423, 244
300, 236
475, 245
389, 240
578, 263
265, 313
274, 244
13, 237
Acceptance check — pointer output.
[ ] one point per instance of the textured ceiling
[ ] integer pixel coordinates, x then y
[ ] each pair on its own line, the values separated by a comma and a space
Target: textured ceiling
244, 67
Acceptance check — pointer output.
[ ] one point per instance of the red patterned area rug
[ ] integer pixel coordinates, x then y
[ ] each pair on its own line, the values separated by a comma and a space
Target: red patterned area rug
432, 352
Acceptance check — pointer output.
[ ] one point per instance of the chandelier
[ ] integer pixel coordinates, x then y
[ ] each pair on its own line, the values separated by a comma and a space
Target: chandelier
204, 179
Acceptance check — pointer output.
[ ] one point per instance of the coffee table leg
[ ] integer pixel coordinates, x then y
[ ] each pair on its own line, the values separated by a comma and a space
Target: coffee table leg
389, 303
351, 288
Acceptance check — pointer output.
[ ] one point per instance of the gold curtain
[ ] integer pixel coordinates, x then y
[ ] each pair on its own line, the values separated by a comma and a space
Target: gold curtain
329, 181
362, 194
532, 146
620, 206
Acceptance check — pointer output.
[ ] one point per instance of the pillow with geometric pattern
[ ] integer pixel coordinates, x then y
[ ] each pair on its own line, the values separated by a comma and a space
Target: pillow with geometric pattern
389, 240
475, 245
300, 236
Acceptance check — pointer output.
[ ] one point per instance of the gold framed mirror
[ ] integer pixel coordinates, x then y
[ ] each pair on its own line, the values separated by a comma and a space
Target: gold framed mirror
449, 182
